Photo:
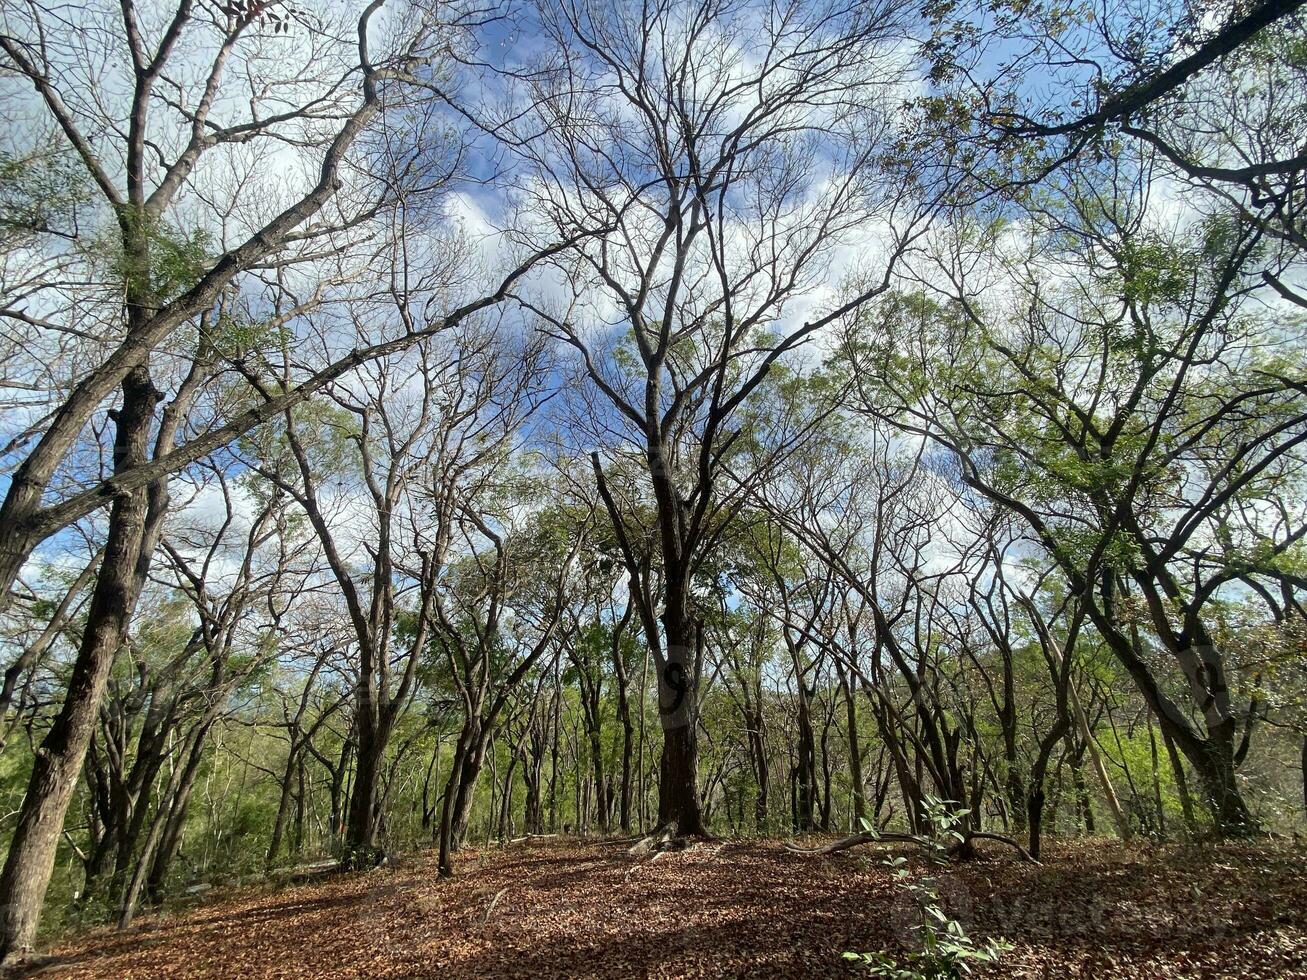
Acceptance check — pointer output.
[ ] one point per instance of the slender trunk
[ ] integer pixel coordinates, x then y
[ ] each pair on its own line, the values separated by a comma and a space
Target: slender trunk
805, 770
825, 806
640, 772
301, 807
555, 724
1082, 793
172, 836
623, 691
338, 775
855, 749
602, 805
758, 757
1157, 778
628, 749
1304, 773
1181, 785
283, 808
131, 898
1095, 754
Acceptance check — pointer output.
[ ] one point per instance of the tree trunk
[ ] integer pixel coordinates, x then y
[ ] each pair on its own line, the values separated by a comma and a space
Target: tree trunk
158, 828
758, 757
58, 760
361, 822
628, 751
678, 793
678, 790
1215, 768
1157, 779
603, 806
172, 837
805, 771
1181, 785
1035, 820
283, 811
469, 755
1082, 793
855, 750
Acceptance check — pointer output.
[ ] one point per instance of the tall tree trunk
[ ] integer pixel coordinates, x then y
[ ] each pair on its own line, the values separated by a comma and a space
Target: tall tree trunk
469, 756
806, 767
1157, 778
628, 751
1082, 791
678, 790
283, 808
301, 808
753, 722
623, 690
1086, 733
58, 760
1304, 774
337, 788
159, 826
361, 821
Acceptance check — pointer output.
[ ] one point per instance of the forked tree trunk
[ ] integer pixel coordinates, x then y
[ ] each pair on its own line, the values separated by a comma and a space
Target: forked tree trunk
469, 756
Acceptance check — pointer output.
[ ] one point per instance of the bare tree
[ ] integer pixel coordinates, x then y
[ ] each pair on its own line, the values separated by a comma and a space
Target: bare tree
143, 160
734, 152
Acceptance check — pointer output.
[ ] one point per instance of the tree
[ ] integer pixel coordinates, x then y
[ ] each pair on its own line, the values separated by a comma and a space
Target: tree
1217, 92
141, 177
1124, 406
497, 618
733, 155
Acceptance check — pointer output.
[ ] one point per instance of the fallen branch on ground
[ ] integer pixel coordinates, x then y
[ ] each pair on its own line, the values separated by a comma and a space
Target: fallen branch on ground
870, 837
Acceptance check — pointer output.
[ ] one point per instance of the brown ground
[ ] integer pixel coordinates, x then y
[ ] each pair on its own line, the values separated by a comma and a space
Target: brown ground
553, 909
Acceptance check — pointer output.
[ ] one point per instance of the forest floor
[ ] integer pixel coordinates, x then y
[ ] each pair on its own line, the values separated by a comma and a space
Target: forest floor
551, 908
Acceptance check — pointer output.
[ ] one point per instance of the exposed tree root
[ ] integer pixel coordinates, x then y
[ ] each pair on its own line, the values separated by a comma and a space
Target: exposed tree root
666, 838
518, 840
958, 851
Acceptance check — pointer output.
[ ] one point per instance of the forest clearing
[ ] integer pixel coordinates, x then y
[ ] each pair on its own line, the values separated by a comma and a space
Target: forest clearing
653, 487
549, 908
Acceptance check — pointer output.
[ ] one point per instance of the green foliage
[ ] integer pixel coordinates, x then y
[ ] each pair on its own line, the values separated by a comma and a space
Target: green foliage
39, 191
174, 258
946, 951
